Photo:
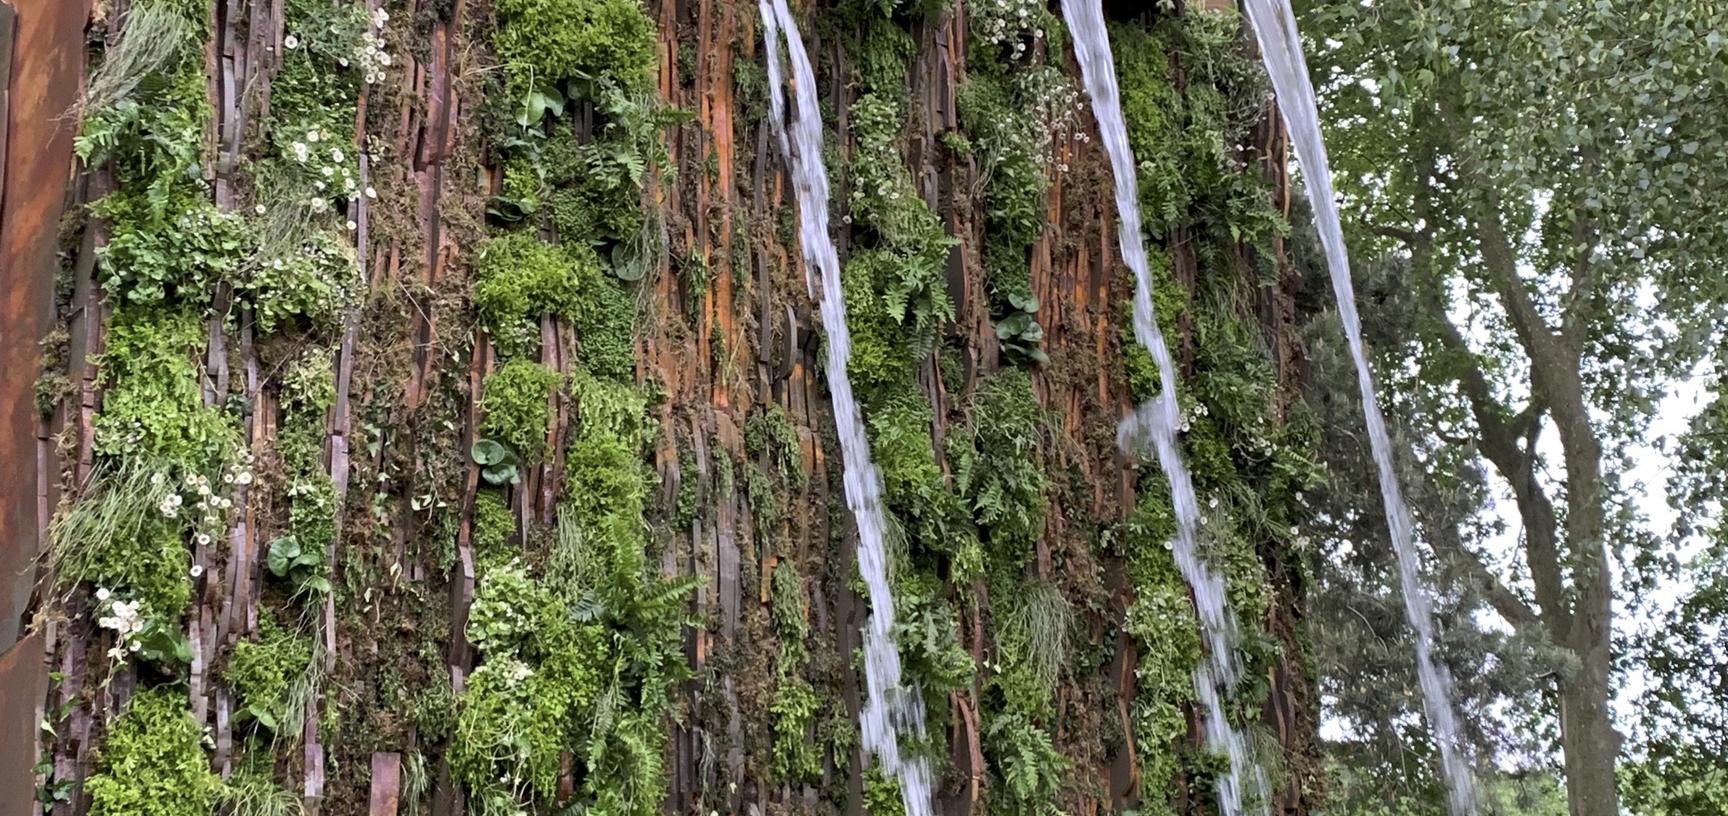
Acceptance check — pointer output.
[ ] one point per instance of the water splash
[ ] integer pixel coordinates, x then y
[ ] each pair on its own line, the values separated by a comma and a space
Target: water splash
889, 707
1155, 421
1281, 49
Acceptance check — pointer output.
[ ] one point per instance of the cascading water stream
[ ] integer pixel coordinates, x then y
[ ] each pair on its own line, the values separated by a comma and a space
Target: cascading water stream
1281, 49
1244, 783
889, 706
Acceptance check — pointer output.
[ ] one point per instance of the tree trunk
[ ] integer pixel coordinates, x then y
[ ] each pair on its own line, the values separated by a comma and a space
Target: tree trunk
1588, 738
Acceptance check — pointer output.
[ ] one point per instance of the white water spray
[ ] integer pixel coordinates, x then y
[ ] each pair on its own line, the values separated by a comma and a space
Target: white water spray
889, 706
1244, 784
1281, 49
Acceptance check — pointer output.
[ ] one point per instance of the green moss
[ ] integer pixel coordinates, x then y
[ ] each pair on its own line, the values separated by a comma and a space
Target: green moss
494, 525
542, 42
1154, 112
605, 481
262, 669
606, 330
517, 408
151, 763
519, 278
770, 435
152, 406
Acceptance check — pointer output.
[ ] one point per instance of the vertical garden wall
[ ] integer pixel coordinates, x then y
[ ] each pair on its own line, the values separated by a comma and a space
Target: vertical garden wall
439, 418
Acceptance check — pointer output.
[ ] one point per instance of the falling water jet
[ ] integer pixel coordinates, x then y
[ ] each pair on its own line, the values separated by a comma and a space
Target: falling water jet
889, 706
1281, 49
1154, 422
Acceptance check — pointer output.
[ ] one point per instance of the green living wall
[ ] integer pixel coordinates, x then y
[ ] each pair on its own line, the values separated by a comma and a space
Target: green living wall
441, 425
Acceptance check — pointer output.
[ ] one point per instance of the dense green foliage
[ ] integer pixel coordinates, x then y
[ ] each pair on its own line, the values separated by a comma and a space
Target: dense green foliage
517, 405
152, 763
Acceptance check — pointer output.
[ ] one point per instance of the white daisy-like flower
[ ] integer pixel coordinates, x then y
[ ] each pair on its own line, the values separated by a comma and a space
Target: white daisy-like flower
383, 59
352, 226
135, 646
244, 478
107, 623
290, 42
336, 154
157, 479
197, 569
301, 152
320, 185
203, 541
319, 204
102, 593
371, 192
380, 17
342, 61
312, 135
227, 478
260, 209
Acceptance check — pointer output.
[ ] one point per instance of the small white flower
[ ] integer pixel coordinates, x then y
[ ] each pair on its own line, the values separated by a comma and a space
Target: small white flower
197, 569
320, 185
300, 152
116, 654
352, 226
342, 61
102, 593
170, 512
260, 209
290, 42
227, 478
336, 154
380, 17
371, 192
244, 478
312, 135
203, 541
107, 623
156, 479
319, 204
383, 59
135, 646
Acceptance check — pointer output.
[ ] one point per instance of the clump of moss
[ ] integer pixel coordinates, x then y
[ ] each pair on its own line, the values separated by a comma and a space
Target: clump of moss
152, 405
520, 278
494, 524
543, 42
770, 435
152, 763
262, 670
517, 410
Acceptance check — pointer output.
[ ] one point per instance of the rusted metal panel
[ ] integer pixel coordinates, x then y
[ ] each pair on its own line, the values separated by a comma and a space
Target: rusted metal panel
42, 76
23, 684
